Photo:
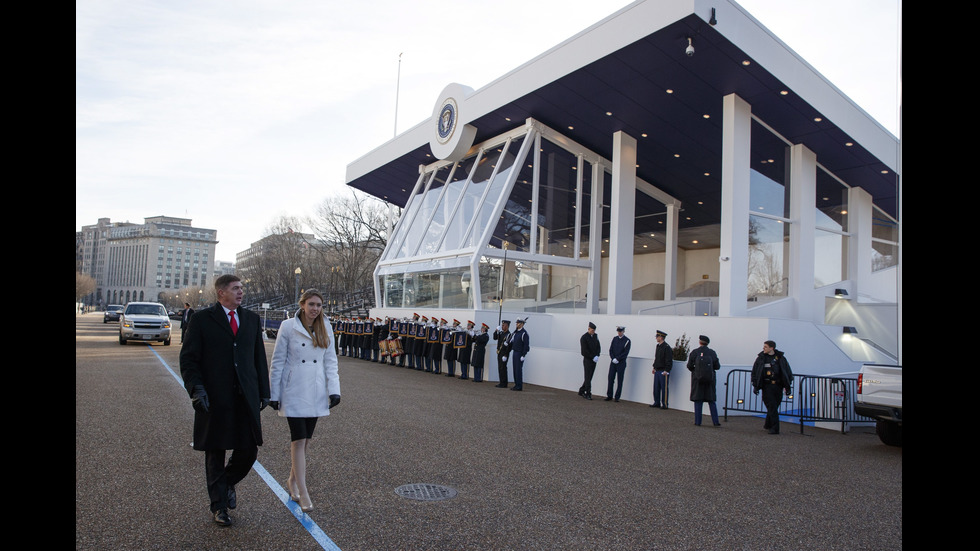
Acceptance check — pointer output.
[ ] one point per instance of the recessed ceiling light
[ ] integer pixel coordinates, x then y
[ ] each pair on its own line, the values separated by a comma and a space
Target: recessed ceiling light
677, 155
746, 63
817, 119
669, 91
609, 113
707, 116
784, 92
571, 128
644, 135
849, 144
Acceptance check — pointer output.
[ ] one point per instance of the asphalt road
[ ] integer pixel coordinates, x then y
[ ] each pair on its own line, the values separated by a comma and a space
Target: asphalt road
539, 469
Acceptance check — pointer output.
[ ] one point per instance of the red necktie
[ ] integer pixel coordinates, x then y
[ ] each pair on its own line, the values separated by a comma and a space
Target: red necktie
234, 324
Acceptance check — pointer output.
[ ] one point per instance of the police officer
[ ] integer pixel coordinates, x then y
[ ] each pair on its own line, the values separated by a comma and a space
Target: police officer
663, 361
619, 350
772, 375
591, 349
702, 363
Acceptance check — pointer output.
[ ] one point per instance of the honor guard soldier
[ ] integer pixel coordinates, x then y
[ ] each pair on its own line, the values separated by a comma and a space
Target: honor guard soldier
589, 342
449, 348
421, 330
520, 344
502, 336
480, 341
619, 350
463, 343
435, 346
402, 339
663, 361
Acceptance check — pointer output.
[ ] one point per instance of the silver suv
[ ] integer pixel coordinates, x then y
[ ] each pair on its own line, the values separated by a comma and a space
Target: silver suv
144, 321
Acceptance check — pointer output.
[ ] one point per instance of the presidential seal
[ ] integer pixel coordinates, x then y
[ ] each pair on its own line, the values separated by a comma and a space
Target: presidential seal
446, 122
451, 136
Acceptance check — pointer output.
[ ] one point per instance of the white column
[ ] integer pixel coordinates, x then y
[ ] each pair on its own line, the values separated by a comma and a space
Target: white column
735, 177
670, 255
623, 213
802, 232
860, 213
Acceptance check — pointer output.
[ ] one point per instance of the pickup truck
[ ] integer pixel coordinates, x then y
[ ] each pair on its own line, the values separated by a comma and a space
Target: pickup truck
879, 396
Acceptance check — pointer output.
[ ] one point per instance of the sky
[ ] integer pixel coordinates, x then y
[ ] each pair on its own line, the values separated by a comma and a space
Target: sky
234, 114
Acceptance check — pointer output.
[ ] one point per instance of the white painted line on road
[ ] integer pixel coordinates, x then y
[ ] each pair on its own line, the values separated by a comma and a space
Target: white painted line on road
305, 521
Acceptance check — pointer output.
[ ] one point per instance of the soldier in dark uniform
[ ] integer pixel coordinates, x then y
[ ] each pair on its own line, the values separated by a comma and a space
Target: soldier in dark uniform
430, 337
663, 361
480, 352
463, 343
590, 356
619, 350
520, 344
421, 331
772, 375
435, 345
449, 348
342, 332
502, 336
403, 338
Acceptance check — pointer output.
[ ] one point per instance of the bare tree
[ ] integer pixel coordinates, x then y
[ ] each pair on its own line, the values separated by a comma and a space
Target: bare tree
352, 231
84, 285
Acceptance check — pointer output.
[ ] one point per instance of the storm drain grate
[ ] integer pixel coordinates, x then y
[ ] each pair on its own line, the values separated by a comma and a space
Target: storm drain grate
425, 492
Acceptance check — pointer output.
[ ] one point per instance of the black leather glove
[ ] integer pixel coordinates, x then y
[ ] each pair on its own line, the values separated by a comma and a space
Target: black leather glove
334, 400
274, 404
263, 403
199, 399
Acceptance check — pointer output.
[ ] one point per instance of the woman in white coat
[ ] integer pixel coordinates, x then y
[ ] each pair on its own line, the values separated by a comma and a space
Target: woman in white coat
304, 383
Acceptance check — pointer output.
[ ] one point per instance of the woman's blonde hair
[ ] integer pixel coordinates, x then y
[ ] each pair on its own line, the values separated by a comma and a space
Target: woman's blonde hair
321, 338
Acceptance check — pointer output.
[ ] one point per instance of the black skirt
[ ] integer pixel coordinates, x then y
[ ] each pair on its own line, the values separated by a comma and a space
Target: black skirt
301, 428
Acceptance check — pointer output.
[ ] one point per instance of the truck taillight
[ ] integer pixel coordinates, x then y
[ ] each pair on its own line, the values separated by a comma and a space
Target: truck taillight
860, 381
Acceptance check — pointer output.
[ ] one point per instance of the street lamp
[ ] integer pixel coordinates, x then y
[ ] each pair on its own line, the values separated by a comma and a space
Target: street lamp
297, 272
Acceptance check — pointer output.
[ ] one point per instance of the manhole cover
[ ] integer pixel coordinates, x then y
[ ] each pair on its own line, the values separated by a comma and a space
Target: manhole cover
425, 492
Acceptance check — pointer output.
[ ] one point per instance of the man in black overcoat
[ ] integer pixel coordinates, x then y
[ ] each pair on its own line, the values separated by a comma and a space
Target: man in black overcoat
223, 364
772, 375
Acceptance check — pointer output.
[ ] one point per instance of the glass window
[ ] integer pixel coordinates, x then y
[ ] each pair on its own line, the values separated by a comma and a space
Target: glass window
829, 258
426, 202
884, 240
514, 224
768, 192
768, 275
495, 191
531, 286
555, 220
444, 209
831, 202
585, 210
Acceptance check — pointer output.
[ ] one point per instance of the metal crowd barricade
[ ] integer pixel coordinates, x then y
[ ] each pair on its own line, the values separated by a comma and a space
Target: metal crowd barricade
817, 398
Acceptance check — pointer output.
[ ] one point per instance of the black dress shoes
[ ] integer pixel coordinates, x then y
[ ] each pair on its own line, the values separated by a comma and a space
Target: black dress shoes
232, 497
608, 398
221, 517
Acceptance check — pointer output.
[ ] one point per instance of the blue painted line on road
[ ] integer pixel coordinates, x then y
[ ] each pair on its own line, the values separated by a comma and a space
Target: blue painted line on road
305, 521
